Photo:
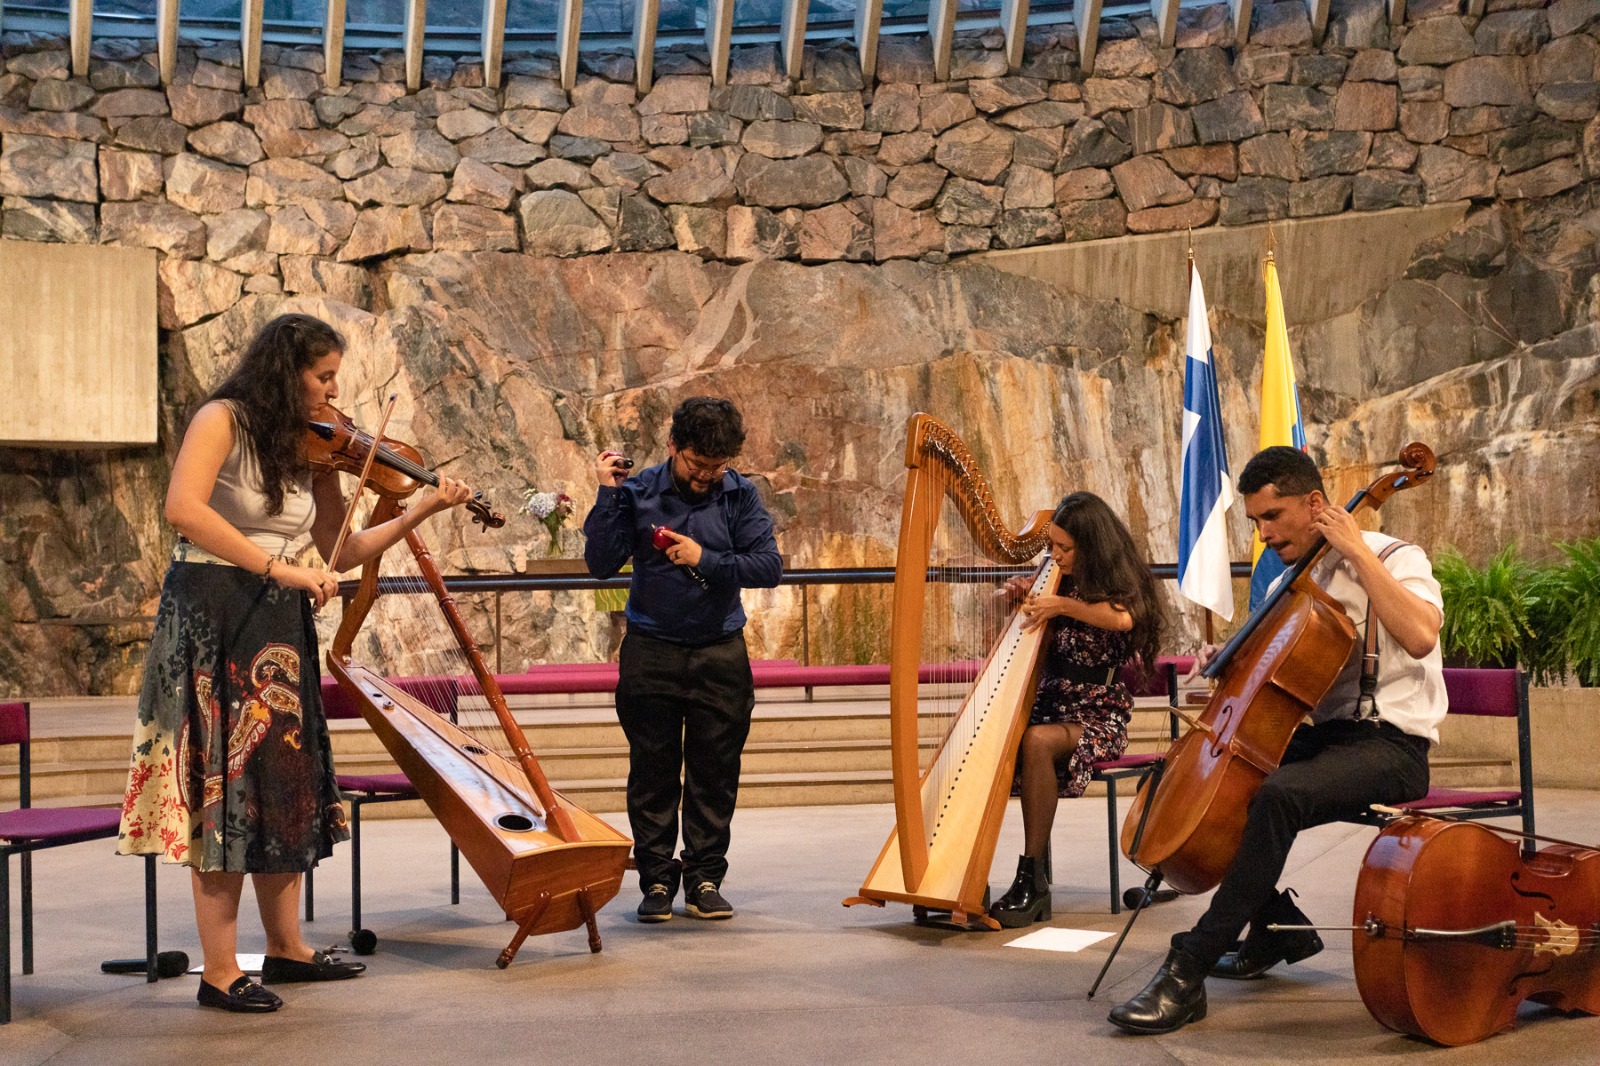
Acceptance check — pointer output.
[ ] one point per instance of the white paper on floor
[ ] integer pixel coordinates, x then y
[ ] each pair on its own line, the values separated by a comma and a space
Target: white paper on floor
1058, 939
250, 964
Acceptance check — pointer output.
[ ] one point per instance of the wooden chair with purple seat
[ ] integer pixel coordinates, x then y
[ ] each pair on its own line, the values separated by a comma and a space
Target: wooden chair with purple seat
26, 829
1494, 693
1163, 681
361, 789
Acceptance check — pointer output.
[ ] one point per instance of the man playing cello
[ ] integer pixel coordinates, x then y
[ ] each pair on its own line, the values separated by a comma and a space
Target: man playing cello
1366, 743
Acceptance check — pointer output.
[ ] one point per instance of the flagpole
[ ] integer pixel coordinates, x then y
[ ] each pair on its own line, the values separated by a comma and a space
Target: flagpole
1189, 232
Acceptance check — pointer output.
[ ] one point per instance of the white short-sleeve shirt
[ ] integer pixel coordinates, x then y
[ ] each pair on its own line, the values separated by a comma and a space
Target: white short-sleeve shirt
1410, 693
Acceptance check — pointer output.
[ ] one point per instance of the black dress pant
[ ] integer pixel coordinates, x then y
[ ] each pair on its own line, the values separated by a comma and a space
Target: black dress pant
685, 711
1330, 771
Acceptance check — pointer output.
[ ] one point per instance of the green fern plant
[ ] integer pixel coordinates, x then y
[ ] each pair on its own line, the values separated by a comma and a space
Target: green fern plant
1579, 607
1487, 612
1543, 653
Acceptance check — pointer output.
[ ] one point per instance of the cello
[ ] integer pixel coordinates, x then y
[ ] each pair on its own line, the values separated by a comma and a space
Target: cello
1454, 927
1186, 821
550, 864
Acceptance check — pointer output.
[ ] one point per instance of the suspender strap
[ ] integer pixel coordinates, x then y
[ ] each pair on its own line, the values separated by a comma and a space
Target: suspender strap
1366, 703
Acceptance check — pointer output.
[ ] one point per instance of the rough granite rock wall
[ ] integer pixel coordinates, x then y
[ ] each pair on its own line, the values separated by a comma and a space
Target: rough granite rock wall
539, 274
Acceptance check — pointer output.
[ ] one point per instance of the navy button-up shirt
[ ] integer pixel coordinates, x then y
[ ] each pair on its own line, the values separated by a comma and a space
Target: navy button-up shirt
738, 551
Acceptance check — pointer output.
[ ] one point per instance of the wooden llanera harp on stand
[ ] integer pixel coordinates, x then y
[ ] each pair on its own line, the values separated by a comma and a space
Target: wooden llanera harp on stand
947, 817
548, 862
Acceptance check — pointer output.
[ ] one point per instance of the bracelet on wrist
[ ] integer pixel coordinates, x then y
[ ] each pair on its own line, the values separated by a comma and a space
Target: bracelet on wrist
266, 575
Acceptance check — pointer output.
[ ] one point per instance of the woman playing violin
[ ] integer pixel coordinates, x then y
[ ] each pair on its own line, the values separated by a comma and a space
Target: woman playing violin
231, 771
1368, 741
1107, 611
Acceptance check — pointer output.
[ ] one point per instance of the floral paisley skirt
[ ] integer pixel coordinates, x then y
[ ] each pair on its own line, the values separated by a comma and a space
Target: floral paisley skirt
231, 768
1102, 710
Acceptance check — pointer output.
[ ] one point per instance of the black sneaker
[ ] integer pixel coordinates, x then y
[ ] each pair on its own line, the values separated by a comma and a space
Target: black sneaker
704, 901
657, 904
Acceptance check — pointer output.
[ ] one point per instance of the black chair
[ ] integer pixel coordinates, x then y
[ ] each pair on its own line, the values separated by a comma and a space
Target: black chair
27, 829
1495, 693
1164, 682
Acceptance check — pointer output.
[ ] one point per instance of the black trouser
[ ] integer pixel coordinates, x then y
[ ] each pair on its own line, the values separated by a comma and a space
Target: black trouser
684, 710
1331, 771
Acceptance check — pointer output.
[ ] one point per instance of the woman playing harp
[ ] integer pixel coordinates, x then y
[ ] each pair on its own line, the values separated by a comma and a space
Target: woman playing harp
958, 699
1106, 610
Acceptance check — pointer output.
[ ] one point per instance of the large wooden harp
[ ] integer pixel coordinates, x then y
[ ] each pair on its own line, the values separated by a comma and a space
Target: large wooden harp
952, 772
548, 862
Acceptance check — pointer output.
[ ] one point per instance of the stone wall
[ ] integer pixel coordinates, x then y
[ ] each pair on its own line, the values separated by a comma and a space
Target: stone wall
540, 274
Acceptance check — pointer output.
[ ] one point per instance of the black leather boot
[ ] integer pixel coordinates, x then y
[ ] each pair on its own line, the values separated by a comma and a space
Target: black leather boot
1175, 996
1263, 949
1027, 900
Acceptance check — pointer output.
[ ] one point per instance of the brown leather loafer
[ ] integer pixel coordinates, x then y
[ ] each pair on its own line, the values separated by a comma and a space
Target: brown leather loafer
322, 967
244, 996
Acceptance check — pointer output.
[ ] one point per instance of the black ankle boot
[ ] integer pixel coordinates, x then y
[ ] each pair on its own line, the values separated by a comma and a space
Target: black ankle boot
1175, 996
1263, 949
1027, 900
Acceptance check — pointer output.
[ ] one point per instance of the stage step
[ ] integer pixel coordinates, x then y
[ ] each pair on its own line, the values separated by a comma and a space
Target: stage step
800, 753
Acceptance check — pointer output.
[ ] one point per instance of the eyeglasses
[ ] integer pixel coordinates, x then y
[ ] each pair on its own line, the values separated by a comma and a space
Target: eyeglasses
703, 468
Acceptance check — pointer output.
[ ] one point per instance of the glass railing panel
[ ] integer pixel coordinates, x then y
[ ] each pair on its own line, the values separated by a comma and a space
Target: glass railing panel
608, 16
748, 14
531, 16
454, 16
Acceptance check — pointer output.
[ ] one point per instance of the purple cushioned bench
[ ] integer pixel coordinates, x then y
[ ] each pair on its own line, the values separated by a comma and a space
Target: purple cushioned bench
1494, 694
26, 829
562, 678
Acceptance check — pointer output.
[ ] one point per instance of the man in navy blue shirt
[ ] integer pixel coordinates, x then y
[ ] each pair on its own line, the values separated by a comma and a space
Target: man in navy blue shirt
698, 534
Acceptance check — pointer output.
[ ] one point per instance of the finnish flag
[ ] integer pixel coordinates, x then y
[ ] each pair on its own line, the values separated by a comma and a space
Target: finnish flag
1203, 572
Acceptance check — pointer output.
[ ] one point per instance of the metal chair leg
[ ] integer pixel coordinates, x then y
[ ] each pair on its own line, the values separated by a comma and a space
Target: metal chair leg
1111, 844
5, 936
355, 862
150, 920
27, 912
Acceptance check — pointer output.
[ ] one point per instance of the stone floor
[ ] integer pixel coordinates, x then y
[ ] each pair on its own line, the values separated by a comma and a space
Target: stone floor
794, 978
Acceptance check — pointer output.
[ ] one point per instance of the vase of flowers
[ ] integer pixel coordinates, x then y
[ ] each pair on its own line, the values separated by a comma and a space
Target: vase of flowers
551, 508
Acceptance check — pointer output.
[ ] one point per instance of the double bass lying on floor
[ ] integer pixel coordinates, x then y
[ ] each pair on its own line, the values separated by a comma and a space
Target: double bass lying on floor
1455, 927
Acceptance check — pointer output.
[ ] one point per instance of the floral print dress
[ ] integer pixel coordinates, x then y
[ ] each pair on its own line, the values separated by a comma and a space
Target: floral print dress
1102, 710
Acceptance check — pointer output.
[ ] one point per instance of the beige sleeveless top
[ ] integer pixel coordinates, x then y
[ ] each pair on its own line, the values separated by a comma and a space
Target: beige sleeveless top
237, 497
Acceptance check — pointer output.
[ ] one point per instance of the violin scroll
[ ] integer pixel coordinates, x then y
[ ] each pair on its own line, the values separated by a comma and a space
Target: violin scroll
483, 513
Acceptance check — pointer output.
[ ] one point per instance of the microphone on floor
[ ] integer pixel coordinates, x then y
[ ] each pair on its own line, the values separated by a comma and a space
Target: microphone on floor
168, 964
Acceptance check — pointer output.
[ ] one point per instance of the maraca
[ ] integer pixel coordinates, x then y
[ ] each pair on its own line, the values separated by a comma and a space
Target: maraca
661, 537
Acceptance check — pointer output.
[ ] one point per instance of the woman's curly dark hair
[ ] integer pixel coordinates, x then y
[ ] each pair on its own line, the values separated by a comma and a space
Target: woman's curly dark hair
268, 401
1107, 569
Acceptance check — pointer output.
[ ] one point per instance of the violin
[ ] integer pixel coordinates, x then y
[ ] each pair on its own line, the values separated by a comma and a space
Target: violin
1186, 822
1454, 927
398, 469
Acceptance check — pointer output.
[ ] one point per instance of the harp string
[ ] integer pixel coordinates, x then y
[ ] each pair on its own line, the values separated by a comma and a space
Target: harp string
407, 638
966, 614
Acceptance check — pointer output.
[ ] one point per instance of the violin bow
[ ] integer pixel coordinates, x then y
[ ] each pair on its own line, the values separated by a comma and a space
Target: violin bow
366, 469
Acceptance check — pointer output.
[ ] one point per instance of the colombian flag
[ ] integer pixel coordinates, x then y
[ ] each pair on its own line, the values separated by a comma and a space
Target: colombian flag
1280, 418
